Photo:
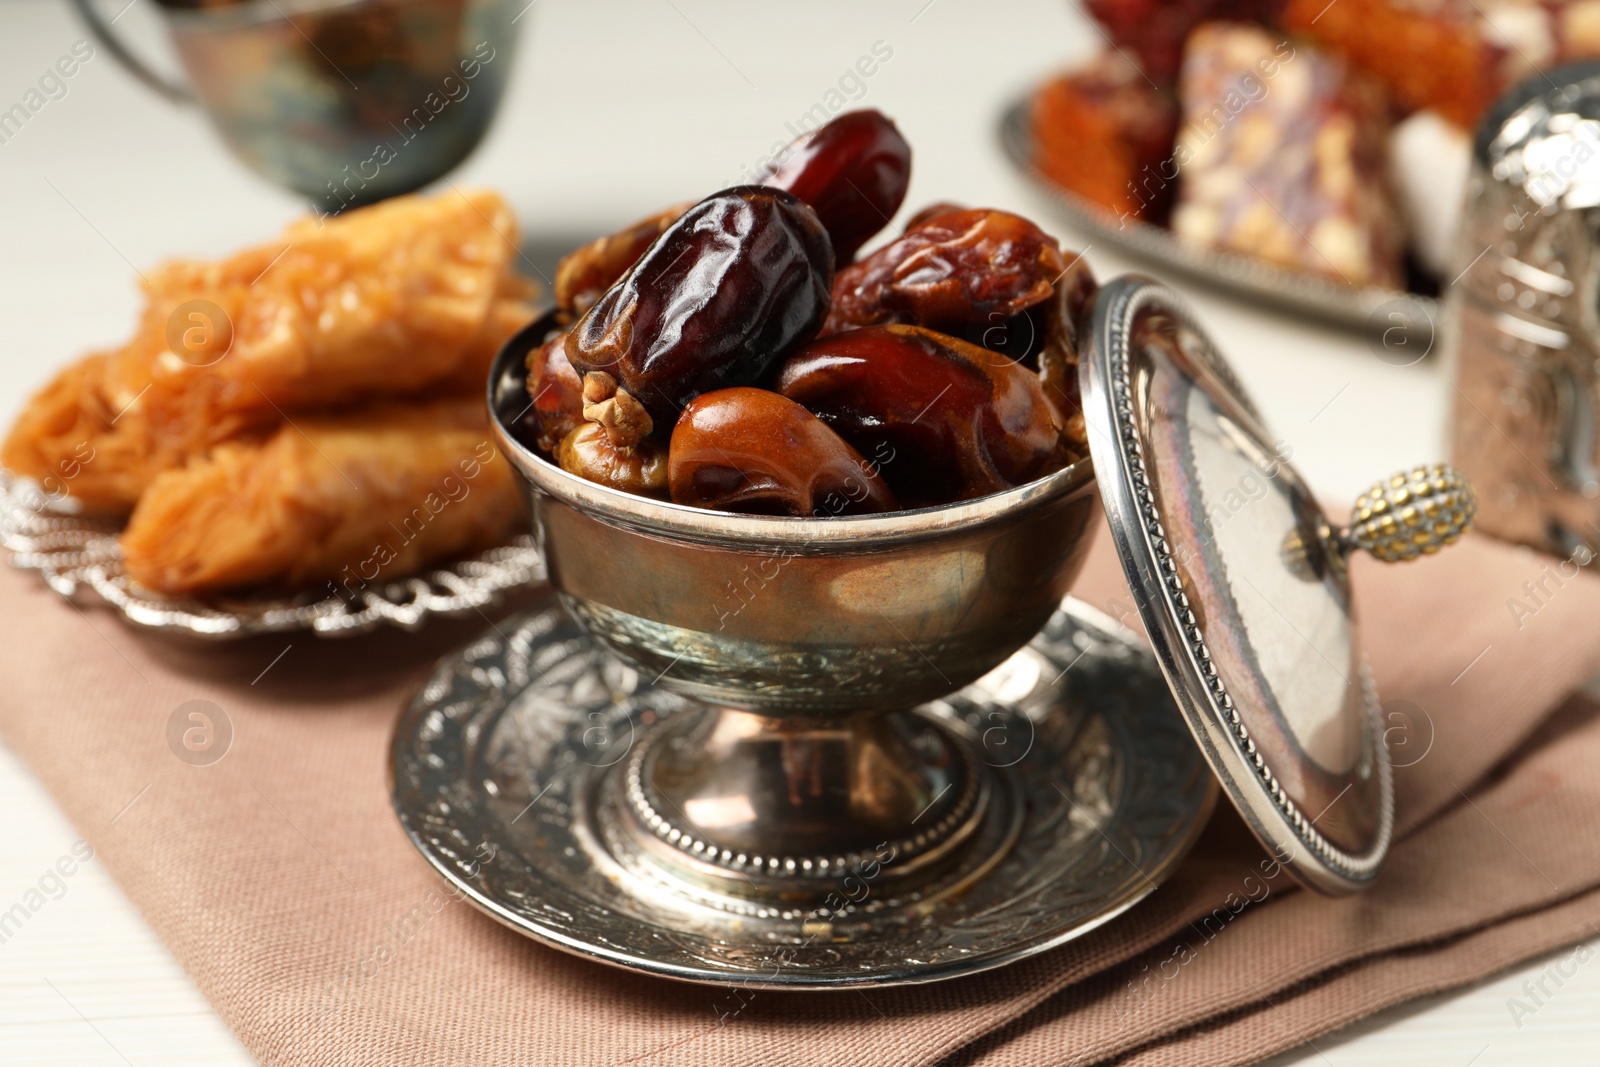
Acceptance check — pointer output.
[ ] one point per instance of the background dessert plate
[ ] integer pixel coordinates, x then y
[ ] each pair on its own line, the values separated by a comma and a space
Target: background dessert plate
1373, 309
78, 557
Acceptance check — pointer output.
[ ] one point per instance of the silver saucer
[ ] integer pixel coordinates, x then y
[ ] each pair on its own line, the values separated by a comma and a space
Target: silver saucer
79, 554
504, 774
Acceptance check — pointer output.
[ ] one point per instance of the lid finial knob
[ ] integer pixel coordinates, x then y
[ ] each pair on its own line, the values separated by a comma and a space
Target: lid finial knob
1413, 513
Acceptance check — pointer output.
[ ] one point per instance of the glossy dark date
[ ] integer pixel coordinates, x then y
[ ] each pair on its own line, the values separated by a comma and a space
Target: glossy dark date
955, 272
749, 450
946, 420
556, 392
1044, 336
854, 172
586, 272
739, 280
1063, 320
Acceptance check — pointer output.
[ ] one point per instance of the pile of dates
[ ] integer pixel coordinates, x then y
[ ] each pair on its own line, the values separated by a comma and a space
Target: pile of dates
735, 355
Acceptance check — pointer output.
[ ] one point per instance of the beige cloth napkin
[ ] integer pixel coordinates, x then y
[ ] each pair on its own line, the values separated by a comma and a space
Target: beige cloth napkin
281, 881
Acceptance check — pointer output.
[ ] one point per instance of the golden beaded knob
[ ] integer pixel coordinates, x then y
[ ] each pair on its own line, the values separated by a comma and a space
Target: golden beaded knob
1414, 513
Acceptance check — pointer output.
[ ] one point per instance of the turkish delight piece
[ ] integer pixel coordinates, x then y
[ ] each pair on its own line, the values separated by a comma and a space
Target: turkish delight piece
1452, 56
1154, 31
1105, 132
1282, 156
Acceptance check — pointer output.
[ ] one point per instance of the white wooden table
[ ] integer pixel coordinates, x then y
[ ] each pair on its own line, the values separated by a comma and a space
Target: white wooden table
684, 97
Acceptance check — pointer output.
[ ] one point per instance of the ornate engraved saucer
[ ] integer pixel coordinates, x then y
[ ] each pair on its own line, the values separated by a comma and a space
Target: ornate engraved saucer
821, 752
518, 772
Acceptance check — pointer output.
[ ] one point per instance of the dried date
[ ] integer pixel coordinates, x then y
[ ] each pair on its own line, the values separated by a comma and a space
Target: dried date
752, 451
950, 421
734, 284
590, 454
854, 172
613, 445
955, 272
556, 392
586, 272
1063, 320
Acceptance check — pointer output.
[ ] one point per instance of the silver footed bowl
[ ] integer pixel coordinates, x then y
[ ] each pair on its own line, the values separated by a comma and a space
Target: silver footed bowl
804, 644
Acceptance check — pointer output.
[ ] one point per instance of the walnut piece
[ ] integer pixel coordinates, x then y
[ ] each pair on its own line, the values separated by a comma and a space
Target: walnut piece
624, 419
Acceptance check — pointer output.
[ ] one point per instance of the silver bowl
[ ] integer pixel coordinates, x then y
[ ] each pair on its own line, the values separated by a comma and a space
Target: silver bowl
806, 643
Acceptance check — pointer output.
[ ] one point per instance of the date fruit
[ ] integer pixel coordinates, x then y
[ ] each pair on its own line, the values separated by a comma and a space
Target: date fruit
854, 172
584, 273
613, 445
556, 392
945, 420
729, 289
752, 451
932, 211
1062, 320
954, 272
589, 453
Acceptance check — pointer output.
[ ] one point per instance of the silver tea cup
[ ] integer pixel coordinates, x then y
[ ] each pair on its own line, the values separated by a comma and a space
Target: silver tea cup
343, 101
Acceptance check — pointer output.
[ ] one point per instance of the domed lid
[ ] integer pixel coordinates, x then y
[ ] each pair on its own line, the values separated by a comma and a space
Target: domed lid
1242, 584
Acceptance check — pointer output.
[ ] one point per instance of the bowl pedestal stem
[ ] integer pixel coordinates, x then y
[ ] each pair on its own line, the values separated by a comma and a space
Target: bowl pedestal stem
794, 808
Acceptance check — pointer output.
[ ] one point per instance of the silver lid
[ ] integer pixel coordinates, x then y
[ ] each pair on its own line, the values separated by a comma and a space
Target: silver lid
1242, 586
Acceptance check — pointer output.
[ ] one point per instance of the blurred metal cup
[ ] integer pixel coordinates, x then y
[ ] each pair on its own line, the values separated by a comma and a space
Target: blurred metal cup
1523, 325
343, 101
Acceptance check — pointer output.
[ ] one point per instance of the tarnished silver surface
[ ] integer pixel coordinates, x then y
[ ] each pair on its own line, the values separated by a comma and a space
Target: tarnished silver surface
705, 795
78, 556
1524, 332
507, 771
1367, 309
1259, 644
824, 616
806, 641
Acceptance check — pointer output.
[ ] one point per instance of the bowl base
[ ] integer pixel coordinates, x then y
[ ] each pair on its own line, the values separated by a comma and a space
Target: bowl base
725, 803
783, 810
511, 769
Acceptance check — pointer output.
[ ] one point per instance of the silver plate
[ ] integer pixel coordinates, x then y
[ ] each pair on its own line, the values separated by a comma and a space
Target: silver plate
78, 555
1371, 309
501, 764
